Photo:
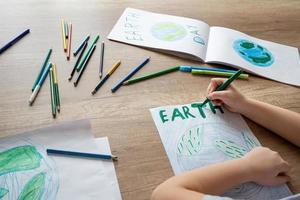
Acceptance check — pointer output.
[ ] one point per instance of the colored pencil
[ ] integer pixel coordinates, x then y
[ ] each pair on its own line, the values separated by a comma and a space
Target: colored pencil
81, 45
130, 74
42, 69
225, 84
69, 42
52, 92
84, 65
101, 60
39, 85
82, 60
63, 35
14, 40
151, 75
190, 68
216, 73
81, 154
56, 90
78, 59
66, 30
109, 73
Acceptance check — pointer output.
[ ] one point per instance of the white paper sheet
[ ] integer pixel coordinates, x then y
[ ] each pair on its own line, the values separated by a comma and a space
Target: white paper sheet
25, 166
194, 137
164, 32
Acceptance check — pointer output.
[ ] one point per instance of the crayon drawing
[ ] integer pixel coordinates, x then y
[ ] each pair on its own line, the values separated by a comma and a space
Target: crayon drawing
26, 172
253, 53
195, 137
168, 31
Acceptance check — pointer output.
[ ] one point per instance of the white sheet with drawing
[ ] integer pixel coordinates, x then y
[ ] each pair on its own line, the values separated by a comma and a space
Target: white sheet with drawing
27, 172
194, 137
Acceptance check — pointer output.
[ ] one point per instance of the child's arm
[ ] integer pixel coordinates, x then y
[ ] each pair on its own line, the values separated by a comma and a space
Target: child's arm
261, 165
281, 121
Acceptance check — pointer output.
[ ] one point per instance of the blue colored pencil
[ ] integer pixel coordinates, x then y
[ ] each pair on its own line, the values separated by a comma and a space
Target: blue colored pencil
42, 69
130, 74
13, 41
190, 68
39, 85
81, 45
81, 154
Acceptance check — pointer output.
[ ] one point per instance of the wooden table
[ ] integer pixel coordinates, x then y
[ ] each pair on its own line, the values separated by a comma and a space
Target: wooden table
124, 116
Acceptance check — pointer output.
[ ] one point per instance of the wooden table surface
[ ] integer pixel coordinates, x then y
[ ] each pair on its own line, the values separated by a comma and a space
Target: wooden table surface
124, 116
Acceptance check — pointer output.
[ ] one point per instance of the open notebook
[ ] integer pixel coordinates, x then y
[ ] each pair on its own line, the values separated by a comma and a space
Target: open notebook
196, 40
195, 137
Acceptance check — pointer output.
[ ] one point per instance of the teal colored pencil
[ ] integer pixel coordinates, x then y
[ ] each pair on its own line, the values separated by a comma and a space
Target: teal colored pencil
87, 53
52, 92
151, 75
42, 69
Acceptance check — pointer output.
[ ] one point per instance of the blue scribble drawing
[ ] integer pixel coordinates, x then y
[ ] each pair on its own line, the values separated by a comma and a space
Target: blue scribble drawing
253, 53
26, 172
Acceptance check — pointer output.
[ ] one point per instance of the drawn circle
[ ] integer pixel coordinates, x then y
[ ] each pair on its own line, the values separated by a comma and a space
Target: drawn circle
168, 31
253, 53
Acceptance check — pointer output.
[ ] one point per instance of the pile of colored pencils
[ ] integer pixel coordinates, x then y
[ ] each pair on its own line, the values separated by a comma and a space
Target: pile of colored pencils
42, 75
66, 30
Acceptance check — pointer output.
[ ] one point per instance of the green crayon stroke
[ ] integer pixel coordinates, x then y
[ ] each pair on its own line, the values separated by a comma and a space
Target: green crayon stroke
19, 159
190, 143
230, 148
250, 142
34, 188
3, 192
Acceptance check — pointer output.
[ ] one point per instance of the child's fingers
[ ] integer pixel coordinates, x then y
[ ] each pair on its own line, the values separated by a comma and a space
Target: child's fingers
285, 167
220, 95
214, 83
281, 179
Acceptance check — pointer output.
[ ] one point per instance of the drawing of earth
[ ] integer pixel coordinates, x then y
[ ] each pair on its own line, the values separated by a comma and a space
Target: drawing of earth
253, 53
26, 172
168, 31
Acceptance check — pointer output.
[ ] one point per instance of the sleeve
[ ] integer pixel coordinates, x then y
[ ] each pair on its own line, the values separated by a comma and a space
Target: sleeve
210, 197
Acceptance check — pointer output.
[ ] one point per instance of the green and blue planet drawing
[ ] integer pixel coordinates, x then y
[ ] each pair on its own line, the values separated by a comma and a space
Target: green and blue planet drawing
170, 31
253, 53
26, 175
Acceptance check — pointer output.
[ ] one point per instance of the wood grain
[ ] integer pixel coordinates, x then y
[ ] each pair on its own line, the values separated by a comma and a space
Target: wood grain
124, 116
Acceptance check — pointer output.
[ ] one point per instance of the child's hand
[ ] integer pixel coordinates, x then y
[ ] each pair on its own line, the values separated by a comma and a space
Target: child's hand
231, 98
266, 167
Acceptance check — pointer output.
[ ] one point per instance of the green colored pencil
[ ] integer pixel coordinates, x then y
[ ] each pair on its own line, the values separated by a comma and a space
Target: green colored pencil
84, 57
42, 69
57, 99
53, 106
217, 73
225, 84
151, 75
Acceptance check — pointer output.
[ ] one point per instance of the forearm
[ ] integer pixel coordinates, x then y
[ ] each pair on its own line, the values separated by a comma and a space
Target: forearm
214, 179
281, 121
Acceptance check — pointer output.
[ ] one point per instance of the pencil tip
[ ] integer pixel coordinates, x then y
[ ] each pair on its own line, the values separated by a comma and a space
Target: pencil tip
75, 84
93, 92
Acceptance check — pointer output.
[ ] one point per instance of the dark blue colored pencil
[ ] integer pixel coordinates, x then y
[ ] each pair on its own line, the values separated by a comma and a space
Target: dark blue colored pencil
15, 40
130, 74
81, 46
82, 154
85, 64
78, 60
101, 60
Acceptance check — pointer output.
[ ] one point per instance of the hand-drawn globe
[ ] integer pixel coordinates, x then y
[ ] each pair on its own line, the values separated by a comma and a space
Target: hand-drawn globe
253, 53
168, 31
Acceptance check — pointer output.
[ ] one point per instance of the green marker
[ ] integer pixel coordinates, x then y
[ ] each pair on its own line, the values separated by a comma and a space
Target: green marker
87, 53
216, 73
152, 75
225, 84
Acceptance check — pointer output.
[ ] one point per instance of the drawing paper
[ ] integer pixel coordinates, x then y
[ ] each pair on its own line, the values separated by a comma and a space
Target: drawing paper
27, 170
194, 137
196, 40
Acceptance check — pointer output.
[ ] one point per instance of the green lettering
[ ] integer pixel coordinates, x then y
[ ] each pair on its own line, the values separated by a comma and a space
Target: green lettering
177, 113
199, 106
186, 112
163, 117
